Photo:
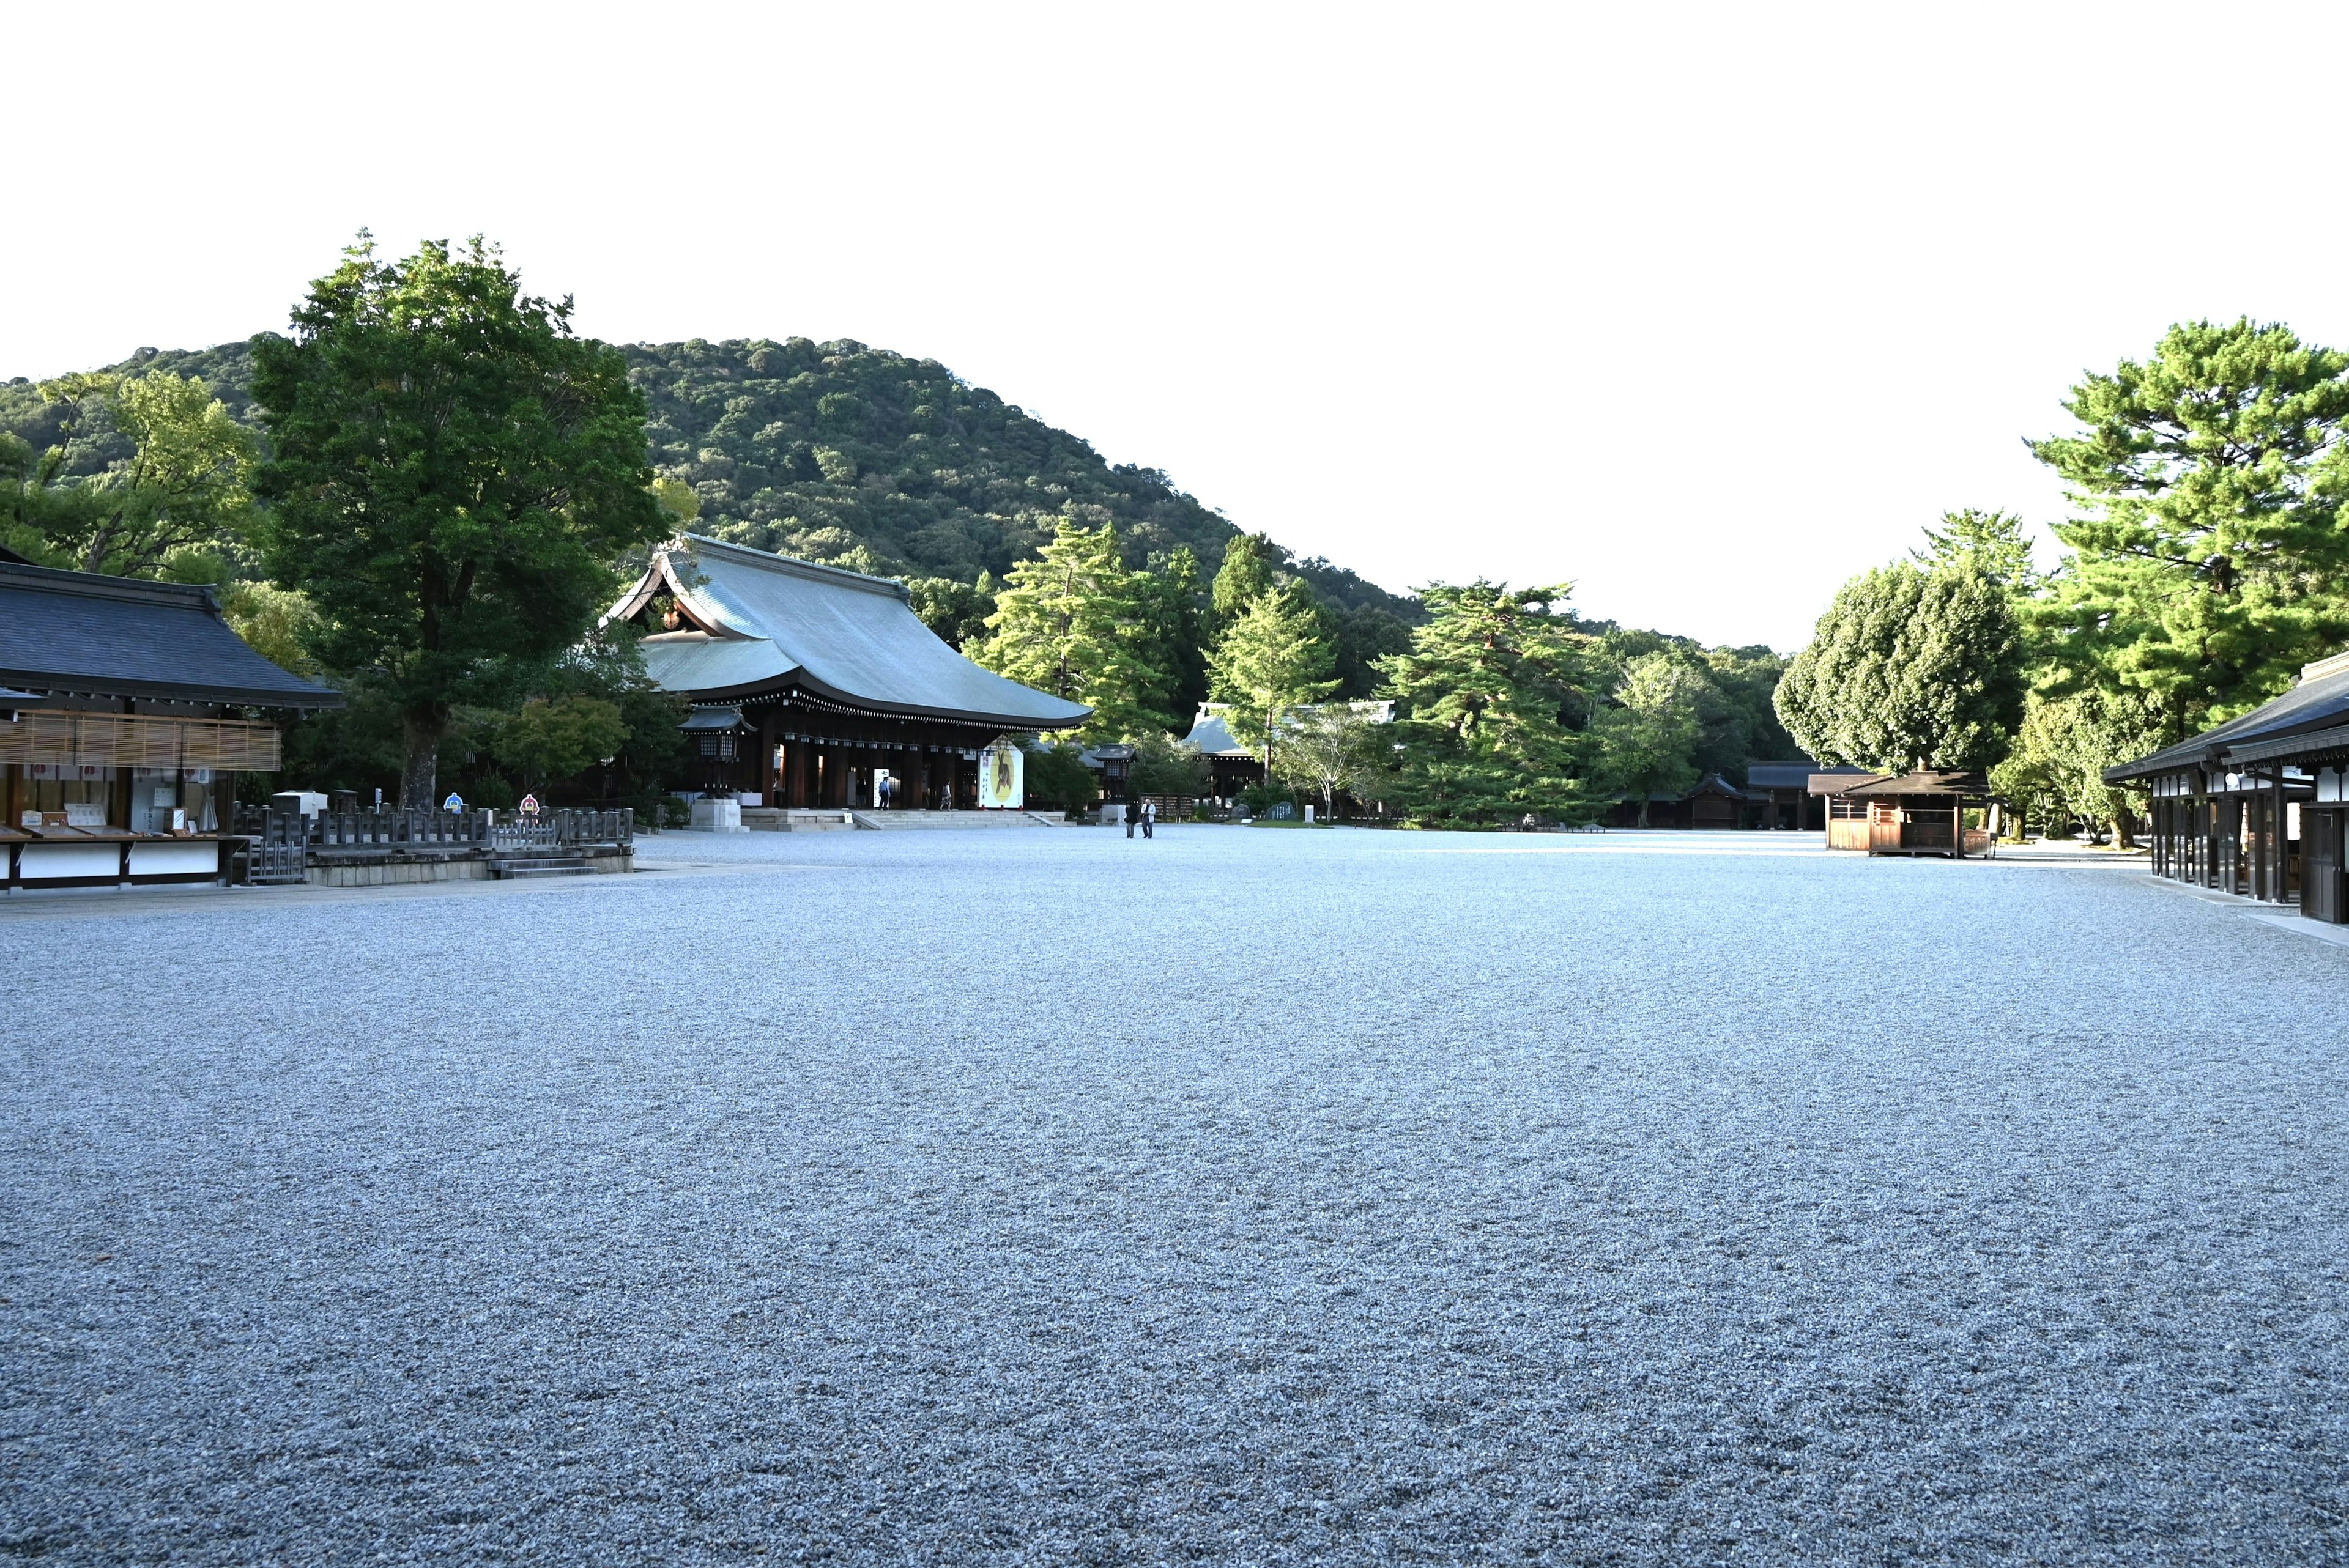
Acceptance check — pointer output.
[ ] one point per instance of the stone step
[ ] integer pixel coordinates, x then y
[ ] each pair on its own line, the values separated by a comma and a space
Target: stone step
540, 866
797, 820
900, 821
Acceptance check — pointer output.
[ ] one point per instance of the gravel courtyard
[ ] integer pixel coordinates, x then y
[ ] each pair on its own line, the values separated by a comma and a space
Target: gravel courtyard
1244, 1196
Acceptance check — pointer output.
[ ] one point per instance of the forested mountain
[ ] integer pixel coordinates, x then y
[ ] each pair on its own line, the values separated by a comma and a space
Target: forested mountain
832, 451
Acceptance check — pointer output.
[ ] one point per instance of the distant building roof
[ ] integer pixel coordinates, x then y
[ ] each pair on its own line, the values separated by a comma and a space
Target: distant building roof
764, 621
1795, 774
2319, 701
92, 636
1924, 782
1211, 736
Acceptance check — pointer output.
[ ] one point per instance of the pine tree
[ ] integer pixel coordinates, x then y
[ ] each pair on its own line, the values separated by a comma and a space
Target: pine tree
1244, 576
1492, 701
1273, 657
1992, 541
1068, 622
2208, 562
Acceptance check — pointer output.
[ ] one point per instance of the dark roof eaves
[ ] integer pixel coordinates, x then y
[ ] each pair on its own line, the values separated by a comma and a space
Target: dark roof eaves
54, 684
798, 676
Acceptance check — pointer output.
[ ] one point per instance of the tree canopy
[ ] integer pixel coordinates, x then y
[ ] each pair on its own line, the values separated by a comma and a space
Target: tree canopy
1072, 621
1492, 701
2208, 553
1909, 668
1272, 656
452, 474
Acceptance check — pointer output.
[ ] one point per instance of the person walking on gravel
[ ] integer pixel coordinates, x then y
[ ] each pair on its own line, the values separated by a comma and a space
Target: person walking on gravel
1127, 812
1149, 817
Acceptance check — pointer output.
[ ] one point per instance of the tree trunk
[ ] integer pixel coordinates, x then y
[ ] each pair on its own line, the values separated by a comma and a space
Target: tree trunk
419, 776
2122, 840
1643, 809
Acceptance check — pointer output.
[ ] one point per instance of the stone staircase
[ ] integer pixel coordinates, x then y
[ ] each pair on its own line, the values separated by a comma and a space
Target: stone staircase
514, 868
798, 819
899, 821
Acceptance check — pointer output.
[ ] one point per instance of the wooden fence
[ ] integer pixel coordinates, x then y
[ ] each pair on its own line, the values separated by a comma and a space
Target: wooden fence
284, 841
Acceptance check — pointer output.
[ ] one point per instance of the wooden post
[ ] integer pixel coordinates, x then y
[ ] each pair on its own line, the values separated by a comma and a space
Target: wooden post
2278, 887
771, 767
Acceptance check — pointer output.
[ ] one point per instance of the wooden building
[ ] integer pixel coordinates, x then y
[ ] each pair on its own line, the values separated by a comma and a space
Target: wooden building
2258, 806
1713, 803
1920, 813
1234, 766
810, 684
1784, 794
131, 708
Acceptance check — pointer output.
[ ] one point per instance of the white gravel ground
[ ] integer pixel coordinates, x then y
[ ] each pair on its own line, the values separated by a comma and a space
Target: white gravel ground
1244, 1196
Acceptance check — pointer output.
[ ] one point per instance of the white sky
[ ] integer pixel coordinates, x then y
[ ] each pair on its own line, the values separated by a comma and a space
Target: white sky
1702, 308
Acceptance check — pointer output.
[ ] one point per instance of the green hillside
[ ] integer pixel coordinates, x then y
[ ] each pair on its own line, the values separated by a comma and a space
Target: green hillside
829, 450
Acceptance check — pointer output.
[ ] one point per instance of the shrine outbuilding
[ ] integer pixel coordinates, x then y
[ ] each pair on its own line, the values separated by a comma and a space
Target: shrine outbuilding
129, 707
814, 688
2259, 806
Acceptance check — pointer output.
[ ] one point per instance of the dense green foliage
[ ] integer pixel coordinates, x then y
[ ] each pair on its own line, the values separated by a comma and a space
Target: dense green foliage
452, 473
866, 458
1272, 656
1909, 668
1074, 622
1646, 741
2210, 560
1493, 702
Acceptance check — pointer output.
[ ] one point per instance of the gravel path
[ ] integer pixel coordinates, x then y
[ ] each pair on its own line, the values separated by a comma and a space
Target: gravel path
1240, 1197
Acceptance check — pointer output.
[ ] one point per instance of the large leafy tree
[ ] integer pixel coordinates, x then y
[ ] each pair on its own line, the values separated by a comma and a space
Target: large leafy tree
2055, 773
452, 472
1909, 668
1070, 622
1647, 740
1494, 704
1271, 658
1330, 747
2208, 562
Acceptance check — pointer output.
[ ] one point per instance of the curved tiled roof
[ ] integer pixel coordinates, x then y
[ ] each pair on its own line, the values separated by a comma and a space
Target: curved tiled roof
770, 620
93, 636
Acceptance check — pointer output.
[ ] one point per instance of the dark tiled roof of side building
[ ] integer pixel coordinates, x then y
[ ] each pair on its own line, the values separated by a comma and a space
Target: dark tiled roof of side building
92, 636
2320, 700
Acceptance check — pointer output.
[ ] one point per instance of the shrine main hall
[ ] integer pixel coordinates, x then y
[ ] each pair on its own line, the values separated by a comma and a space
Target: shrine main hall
807, 685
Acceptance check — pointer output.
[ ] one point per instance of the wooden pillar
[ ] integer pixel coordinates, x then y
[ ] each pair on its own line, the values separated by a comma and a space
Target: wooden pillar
2284, 855
771, 767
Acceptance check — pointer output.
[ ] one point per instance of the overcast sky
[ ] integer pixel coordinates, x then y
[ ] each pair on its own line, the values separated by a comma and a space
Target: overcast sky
1703, 309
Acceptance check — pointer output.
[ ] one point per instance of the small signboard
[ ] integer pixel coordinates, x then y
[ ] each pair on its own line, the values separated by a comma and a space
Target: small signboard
530, 805
455, 802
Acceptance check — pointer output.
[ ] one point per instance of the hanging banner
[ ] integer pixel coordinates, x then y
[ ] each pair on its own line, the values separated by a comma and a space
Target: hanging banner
1002, 778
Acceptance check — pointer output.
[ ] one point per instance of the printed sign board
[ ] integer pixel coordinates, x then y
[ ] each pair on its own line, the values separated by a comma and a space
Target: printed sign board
455, 802
530, 805
1002, 778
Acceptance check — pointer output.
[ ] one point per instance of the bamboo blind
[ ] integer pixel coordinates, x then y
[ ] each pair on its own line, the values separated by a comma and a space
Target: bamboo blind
135, 740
